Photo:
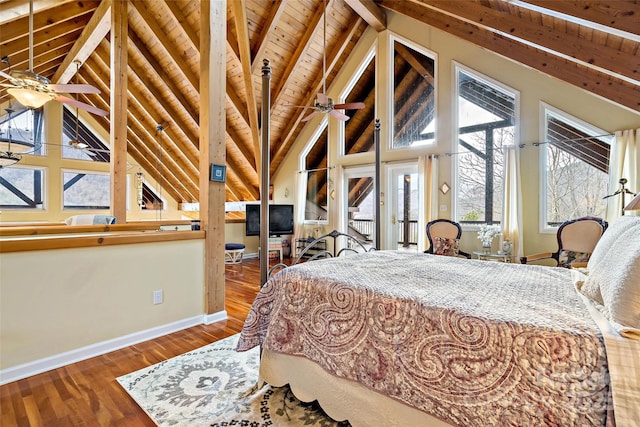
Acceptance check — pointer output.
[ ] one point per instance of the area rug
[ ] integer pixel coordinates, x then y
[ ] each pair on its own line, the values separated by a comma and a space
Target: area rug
217, 386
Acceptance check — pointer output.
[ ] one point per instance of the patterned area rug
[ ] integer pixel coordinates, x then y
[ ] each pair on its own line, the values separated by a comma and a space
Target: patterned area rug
217, 386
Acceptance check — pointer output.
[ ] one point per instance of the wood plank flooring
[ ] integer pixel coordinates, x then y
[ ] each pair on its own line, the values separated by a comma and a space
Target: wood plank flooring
87, 394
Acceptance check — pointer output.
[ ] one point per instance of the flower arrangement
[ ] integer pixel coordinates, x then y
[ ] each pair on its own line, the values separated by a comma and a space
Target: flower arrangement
487, 232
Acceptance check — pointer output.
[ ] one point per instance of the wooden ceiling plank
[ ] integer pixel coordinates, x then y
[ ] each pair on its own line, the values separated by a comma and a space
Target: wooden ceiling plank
286, 139
313, 26
370, 12
17, 28
273, 16
15, 9
182, 23
572, 46
594, 81
95, 31
170, 47
242, 30
621, 15
162, 74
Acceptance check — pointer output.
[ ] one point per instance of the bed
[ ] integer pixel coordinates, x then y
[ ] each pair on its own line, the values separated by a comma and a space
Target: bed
397, 338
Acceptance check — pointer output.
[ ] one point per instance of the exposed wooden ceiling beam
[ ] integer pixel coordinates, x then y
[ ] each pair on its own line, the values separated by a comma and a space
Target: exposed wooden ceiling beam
597, 82
285, 141
240, 21
269, 27
511, 26
370, 12
621, 15
157, 68
181, 21
15, 9
95, 31
174, 53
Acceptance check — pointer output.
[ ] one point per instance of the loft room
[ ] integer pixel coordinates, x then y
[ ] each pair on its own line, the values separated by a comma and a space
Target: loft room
444, 86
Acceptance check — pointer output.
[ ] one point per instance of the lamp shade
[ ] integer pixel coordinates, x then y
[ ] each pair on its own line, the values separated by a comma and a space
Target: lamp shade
30, 98
634, 204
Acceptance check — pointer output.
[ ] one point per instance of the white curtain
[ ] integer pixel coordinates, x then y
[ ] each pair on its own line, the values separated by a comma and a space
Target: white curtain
624, 164
428, 209
512, 215
300, 192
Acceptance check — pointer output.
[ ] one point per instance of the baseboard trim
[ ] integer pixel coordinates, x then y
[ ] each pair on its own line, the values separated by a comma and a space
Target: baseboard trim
19, 372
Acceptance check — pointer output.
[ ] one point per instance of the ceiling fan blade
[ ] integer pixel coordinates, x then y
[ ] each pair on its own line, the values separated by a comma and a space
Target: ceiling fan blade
350, 106
7, 85
322, 99
73, 88
338, 115
87, 107
310, 116
5, 75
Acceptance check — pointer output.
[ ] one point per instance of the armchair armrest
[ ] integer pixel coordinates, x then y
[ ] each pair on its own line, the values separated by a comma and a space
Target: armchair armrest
536, 257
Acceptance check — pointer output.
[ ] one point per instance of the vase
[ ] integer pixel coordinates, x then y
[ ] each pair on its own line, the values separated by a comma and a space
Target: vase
507, 246
486, 247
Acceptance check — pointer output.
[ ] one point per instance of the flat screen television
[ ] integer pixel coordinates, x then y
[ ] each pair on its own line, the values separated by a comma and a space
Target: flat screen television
280, 220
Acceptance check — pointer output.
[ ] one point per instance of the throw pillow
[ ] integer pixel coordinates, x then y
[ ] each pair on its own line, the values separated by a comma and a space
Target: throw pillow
609, 237
444, 246
566, 258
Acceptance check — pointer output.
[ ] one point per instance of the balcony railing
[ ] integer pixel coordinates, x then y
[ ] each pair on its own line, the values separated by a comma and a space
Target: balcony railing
366, 228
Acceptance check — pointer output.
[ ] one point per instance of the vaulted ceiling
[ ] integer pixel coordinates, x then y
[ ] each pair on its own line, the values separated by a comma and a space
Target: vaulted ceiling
590, 44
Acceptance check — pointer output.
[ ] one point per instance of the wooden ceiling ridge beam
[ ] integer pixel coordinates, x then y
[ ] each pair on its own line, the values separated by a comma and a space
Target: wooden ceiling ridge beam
286, 137
620, 15
173, 52
597, 82
274, 14
97, 29
568, 45
160, 71
240, 21
370, 12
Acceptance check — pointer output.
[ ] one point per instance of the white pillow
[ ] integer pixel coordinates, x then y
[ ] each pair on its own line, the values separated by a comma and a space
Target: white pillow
609, 237
617, 276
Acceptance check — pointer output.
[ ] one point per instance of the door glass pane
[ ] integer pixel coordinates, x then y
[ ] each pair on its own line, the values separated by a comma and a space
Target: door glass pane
406, 214
361, 206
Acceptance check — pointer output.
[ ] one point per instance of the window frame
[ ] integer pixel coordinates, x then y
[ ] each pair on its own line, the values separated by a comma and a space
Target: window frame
456, 69
544, 109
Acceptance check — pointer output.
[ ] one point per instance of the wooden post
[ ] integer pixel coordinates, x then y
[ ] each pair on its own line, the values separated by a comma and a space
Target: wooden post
118, 107
212, 146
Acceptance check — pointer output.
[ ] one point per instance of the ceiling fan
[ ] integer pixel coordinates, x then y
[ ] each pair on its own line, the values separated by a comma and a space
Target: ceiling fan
322, 103
33, 90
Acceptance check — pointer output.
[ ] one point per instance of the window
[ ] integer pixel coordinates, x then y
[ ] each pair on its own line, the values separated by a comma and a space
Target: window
79, 142
358, 136
83, 190
486, 117
21, 188
24, 129
576, 162
315, 163
414, 100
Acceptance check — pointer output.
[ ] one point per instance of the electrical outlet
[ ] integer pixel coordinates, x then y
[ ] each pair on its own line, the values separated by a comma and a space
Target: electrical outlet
157, 297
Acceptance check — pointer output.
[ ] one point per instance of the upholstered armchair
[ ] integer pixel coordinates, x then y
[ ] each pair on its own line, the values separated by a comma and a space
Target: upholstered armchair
576, 240
444, 237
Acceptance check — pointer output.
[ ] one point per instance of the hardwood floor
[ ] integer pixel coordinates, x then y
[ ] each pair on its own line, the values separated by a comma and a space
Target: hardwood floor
87, 394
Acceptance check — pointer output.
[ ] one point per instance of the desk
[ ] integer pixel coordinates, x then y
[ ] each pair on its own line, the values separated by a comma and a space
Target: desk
486, 256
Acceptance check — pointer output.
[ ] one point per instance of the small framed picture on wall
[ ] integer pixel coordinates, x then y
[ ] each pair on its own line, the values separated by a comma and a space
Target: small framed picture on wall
218, 173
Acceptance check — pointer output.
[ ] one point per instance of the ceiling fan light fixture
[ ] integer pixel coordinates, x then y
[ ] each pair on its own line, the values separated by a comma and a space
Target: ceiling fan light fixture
30, 98
8, 158
78, 144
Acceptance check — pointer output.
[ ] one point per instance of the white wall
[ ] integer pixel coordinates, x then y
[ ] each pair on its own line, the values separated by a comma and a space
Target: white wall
57, 306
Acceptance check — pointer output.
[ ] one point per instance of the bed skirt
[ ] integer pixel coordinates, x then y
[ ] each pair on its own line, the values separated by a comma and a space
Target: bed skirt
341, 399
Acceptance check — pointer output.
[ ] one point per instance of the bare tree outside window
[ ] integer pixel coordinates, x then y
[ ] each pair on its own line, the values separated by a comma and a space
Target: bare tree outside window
577, 167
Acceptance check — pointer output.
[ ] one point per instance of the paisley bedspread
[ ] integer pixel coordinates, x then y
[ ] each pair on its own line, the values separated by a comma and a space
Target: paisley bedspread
474, 343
